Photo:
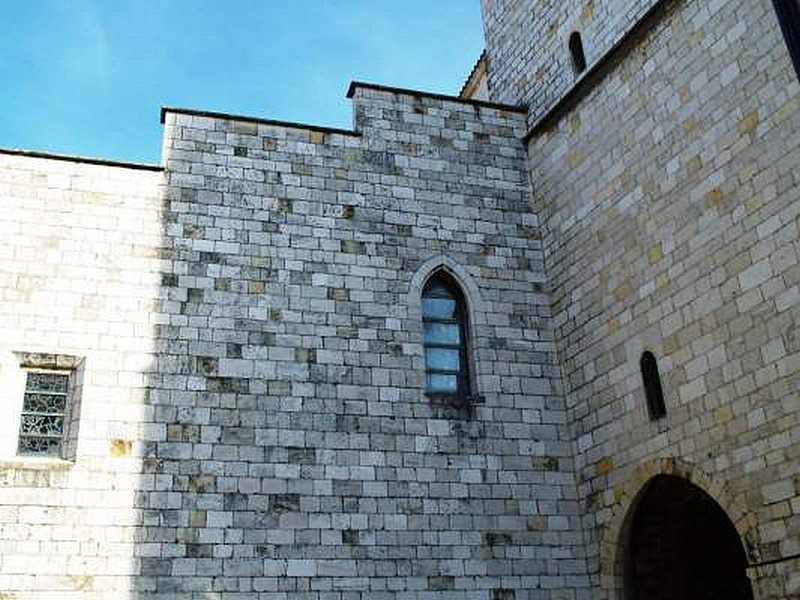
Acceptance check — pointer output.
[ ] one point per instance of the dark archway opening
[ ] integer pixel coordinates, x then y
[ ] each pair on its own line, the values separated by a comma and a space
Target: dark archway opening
682, 546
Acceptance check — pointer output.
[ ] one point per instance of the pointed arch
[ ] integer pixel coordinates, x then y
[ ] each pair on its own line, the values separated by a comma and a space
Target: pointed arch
616, 527
681, 544
448, 277
459, 274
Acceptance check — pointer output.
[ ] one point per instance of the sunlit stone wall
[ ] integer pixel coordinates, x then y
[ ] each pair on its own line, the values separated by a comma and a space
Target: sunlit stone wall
79, 277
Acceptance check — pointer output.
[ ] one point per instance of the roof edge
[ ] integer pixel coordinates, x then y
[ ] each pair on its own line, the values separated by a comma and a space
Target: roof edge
482, 59
81, 159
396, 90
248, 119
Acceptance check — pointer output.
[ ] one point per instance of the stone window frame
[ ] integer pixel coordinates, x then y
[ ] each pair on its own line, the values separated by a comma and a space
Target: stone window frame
31, 362
460, 320
476, 310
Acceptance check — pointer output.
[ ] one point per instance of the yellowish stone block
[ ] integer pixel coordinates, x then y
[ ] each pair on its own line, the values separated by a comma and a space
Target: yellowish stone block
723, 414
749, 123
604, 466
623, 290
82, 583
654, 253
574, 159
121, 447
714, 198
587, 13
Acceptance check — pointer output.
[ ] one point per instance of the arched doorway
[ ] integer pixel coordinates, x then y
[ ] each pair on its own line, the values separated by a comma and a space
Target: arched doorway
682, 546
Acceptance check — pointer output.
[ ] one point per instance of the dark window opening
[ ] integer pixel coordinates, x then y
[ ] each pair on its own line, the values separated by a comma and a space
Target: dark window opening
576, 50
788, 12
444, 322
652, 386
682, 544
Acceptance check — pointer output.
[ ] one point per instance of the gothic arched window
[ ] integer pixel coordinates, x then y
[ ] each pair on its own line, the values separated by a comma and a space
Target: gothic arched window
444, 322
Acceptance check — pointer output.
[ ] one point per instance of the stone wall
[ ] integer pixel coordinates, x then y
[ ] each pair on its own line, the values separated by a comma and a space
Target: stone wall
243, 327
669, 197
252, 421
527, 44
79, 271
307, 460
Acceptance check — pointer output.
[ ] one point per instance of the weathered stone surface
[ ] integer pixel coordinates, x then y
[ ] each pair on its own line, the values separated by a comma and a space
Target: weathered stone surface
246, 334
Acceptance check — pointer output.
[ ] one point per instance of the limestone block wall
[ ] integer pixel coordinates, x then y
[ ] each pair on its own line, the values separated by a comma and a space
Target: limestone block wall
527, 44
296, 453
669, 196
79, 272
247, 416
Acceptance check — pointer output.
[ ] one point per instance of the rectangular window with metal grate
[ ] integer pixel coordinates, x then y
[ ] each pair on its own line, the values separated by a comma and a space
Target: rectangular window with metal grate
41, 431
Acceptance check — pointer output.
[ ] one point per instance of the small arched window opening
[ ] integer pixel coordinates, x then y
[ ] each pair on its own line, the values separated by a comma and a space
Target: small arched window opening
444, 322
576, 50
652, 386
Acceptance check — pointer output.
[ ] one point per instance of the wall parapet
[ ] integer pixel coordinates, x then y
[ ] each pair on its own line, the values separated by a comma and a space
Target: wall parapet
356, 85
104, 162
249, 119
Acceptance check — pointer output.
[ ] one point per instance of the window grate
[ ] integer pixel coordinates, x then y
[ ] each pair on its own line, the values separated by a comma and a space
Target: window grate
42, 418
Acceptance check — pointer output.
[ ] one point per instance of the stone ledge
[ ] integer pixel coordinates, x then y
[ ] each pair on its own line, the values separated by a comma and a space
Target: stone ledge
81, 159
35, 463
417, 93
256, 120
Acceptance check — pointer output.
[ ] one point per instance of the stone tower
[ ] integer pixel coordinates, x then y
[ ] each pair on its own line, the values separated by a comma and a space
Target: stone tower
664, 172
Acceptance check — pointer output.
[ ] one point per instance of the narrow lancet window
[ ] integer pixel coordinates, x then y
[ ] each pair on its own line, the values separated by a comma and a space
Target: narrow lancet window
576, 50
444, 321
652, 386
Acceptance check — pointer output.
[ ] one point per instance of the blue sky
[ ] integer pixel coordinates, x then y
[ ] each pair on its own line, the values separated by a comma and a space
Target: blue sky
88, 77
